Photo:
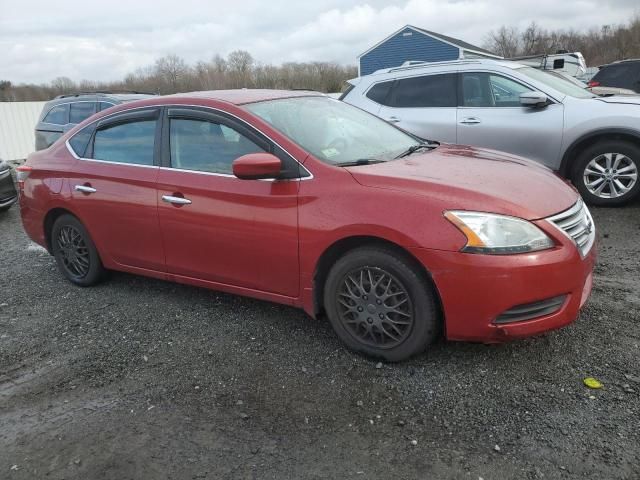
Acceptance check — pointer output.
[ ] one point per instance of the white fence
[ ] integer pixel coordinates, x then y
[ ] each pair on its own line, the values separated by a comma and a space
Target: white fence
17, 124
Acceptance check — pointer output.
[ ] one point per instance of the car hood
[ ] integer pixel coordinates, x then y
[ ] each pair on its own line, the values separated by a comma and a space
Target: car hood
626, 99
468, 178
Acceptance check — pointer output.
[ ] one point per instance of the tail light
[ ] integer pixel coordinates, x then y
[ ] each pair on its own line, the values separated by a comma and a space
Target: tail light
593, 83
22, 173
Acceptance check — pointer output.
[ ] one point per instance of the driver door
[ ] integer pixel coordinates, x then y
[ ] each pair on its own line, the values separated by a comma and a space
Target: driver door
241, 233
490, 116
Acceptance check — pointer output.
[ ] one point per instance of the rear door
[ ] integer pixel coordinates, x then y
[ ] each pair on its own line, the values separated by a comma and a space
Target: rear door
424, 105
490, 116
114, 187
216, 227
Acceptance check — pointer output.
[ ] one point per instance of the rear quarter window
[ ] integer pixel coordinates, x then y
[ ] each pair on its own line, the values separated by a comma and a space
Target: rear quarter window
379, 93
80, 141
58, 115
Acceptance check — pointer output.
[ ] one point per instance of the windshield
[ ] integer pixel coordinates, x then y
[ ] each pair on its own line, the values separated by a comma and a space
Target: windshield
333, 131
557, 83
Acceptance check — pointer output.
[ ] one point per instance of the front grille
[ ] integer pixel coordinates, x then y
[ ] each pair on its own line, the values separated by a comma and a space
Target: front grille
577, 224
528, 311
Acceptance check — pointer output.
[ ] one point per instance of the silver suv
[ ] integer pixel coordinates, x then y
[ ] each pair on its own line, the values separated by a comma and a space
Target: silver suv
594, 141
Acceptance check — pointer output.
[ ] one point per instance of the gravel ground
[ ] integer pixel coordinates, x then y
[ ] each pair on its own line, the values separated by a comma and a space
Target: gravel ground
143, 379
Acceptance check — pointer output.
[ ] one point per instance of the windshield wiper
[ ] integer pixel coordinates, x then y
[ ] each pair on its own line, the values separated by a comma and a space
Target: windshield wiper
360, 161
415, 148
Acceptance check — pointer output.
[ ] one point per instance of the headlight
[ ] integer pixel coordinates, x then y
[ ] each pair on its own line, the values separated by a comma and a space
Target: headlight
498, 234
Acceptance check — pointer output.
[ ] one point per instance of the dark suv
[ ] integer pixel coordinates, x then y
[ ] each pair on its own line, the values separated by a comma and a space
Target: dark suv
622, 74
8, 194
65, 111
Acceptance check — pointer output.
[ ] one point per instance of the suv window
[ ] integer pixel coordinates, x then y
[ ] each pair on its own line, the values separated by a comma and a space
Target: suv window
425, 91
206, 146
104, 106
80, 111
130, 142
379, 92
621, 75
480, 89
58, 115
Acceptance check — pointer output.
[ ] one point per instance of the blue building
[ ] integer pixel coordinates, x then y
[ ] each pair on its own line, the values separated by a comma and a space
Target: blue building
416, 44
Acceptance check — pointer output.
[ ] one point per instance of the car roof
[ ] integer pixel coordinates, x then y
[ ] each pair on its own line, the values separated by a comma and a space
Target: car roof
97, 96
469, 61
619, 62
247, 95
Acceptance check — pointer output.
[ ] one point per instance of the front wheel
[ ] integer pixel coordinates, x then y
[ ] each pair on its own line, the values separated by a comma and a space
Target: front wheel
606, 173
380, 304
75, 252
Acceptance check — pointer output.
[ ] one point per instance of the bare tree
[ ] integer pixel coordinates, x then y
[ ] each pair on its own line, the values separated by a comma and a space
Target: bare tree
505, 42
62, 85
240, 64
172, 74
171, 70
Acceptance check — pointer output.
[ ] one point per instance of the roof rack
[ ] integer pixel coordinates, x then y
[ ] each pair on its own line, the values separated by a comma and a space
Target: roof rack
105, 92
409, 64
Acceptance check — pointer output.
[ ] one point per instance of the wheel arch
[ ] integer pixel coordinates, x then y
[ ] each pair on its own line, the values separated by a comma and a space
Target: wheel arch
591, 138
340, 247
49, 219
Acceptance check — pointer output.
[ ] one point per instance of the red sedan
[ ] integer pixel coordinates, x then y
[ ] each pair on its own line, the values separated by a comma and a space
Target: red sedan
297, 198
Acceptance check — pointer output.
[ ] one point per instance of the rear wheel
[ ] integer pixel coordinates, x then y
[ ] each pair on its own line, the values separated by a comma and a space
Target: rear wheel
75, 252
606, 173
380, 304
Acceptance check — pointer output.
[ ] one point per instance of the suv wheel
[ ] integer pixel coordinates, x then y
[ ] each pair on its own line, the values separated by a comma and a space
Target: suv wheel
380, 304
75, 252
606, 173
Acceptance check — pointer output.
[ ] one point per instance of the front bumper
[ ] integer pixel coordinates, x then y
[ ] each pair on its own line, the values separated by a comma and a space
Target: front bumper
476, 289
8, 193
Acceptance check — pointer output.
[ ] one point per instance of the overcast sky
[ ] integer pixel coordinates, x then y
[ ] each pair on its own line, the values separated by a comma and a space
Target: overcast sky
98, 40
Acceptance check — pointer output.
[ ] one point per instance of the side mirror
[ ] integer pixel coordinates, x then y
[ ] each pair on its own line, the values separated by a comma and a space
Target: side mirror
533, 99
256, 166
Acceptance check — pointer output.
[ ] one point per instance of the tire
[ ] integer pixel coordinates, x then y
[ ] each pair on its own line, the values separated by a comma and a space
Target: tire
591, 173
5, 208
75, 252
361, 314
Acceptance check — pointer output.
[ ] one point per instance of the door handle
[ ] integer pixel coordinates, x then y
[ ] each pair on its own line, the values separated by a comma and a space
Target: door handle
393, 119
84, 189
176, 200
470, 121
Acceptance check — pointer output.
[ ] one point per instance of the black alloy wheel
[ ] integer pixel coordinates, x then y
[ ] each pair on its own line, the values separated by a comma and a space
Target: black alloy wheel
75, 252
381, 303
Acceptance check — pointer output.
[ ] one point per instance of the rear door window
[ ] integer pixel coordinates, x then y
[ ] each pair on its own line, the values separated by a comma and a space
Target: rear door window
104, 106
58, 115
132, 142
425, 91
80, 111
